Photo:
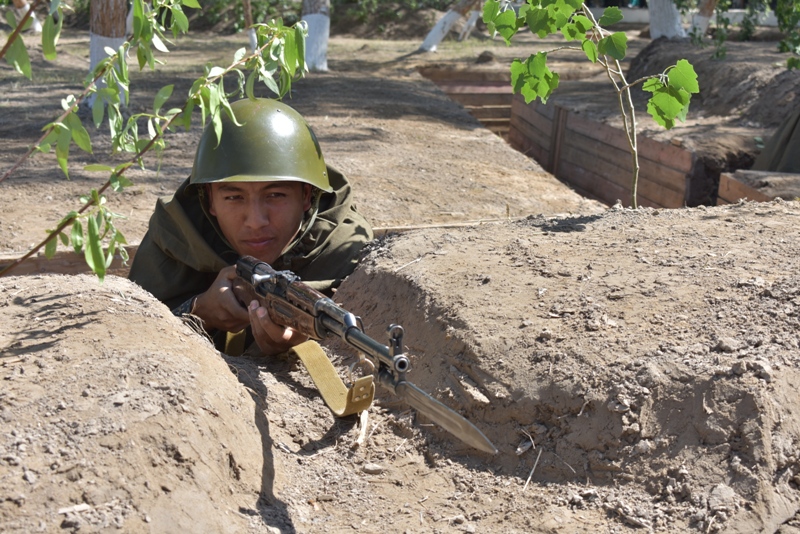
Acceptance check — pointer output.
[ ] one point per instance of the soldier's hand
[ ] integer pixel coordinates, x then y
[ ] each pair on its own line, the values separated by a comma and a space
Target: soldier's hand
271, 338
218, 306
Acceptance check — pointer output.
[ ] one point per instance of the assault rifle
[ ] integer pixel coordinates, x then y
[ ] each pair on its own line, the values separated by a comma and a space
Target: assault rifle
294, 304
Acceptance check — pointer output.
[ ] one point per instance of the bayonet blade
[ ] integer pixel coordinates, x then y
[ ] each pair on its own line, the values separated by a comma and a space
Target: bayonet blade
444, 416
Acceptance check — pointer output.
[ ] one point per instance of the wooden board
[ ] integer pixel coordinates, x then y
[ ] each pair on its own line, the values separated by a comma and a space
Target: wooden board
481, 99
731, 191
610, 173
662, 153
617, 162
491, 112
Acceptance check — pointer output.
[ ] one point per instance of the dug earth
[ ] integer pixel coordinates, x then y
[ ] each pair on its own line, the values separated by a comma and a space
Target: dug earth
636, 369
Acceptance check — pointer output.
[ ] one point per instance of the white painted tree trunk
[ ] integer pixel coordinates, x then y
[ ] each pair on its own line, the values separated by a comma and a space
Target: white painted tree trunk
703, 16
106, 29
469, 26
665, 20
439, 31
319, 28
445, 24
316, 13
248, 23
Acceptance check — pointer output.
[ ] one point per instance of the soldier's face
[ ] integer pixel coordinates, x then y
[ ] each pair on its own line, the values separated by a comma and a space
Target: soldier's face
259, 218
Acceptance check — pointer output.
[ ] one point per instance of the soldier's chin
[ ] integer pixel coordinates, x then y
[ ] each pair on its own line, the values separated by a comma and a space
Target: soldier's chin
265, 254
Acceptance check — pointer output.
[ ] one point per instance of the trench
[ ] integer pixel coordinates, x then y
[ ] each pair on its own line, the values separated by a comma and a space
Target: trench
590, 157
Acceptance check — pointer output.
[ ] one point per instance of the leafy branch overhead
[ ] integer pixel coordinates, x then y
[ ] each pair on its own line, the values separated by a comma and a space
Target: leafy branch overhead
532, 78
278, 60
671, 90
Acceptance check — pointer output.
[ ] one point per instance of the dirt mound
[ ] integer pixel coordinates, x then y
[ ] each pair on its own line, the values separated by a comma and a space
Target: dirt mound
387, 21
750, 85
653, 351
117, 416
634, 368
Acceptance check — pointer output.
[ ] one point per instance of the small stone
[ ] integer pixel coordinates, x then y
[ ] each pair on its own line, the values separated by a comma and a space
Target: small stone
458, 520
29, 477
739, 368
722, 498
763, 370
727, 344
373, 469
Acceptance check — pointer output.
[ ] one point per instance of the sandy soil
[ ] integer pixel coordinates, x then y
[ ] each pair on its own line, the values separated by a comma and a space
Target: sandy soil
636, 369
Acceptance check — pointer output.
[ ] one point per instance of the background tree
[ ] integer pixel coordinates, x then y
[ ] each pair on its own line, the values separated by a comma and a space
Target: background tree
317, 14
106, 30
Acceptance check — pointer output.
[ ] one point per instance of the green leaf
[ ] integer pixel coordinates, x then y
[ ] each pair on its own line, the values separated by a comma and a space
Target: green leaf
651, 85
191, 3
119, 182
667, 104
93, 252
98, 111
611, 15
590, 49
162, 96
64, 238
248, 88
138, 19
532, 78
614, 45
96, 167
290, 54
683, 76
79, 133
582, 23
490, 11
17, 56
77, 236
50, 33
572, 33
270, 82
540, 22
239, 54
216, 71
179, 19
50, 246
506, 25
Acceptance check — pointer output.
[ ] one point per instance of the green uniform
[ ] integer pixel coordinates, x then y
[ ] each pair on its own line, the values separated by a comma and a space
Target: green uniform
184, 249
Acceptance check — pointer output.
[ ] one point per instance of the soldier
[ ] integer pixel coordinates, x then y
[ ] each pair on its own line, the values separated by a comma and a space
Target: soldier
263, 191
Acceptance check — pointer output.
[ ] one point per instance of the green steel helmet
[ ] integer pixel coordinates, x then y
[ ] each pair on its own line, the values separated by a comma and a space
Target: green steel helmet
273, 144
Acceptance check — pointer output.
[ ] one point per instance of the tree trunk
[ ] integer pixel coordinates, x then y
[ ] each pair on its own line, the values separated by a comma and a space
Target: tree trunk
248, 24
442, 27
316, 13
469, 26
20, 8
704, 13
106, 29
665, 20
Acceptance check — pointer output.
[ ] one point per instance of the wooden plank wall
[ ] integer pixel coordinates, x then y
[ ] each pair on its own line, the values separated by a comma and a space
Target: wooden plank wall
595, 159
485, 94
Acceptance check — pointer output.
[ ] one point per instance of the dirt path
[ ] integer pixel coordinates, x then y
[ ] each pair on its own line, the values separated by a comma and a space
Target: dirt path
642, 362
